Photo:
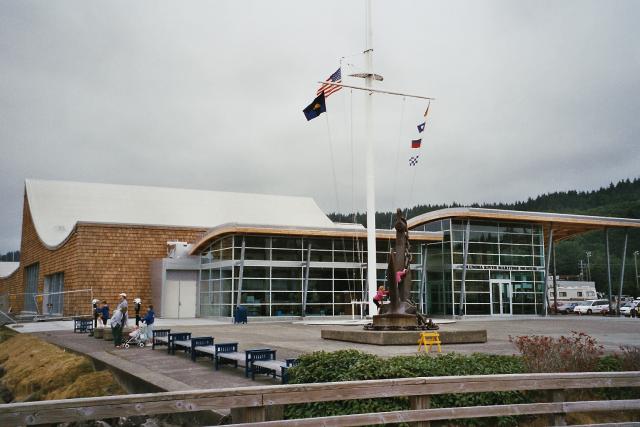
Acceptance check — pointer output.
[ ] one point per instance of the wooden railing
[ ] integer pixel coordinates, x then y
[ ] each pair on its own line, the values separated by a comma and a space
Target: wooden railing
253, 401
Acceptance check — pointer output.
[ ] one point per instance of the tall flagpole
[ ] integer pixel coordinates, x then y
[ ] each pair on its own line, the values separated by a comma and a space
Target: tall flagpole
371, 201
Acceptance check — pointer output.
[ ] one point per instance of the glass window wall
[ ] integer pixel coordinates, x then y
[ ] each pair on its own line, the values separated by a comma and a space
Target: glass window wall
274, 273
507, 257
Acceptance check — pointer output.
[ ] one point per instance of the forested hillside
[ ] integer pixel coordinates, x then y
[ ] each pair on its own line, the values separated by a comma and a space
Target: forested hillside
616, 200
12, 256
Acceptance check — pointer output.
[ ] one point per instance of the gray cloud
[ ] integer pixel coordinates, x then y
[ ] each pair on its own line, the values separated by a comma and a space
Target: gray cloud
532, 97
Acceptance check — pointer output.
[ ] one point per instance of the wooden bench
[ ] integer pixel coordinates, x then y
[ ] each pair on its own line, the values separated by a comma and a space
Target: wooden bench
428, 339
202, 346
272, 367
183, 338
160, 337
227, 353
82, 324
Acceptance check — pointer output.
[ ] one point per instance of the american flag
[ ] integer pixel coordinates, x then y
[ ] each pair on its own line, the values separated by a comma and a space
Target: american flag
329, 89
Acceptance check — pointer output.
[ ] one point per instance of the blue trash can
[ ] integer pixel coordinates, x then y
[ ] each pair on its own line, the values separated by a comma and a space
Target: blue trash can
240, 315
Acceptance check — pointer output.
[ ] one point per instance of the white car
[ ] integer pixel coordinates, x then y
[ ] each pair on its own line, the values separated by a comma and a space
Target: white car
592, 306
625, 309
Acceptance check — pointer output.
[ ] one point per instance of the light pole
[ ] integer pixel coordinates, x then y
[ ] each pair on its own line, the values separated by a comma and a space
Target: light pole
588, 266
635, 262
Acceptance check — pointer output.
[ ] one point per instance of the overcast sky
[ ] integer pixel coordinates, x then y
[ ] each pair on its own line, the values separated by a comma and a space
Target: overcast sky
532, 97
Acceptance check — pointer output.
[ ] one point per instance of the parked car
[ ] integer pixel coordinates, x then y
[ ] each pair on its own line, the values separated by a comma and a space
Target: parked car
592, 306
625, 309
566, 307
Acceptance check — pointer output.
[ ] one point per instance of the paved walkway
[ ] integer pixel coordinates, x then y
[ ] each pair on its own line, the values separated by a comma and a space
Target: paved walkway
171, 373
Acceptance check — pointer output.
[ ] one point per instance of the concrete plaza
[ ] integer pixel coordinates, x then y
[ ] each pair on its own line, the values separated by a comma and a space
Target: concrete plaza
291, 339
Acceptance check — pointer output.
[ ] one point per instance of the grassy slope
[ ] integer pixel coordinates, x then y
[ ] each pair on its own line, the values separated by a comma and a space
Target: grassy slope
37, 370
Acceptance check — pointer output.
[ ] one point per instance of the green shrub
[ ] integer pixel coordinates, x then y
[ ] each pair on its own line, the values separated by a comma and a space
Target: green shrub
627, 360
352, 365
609, 363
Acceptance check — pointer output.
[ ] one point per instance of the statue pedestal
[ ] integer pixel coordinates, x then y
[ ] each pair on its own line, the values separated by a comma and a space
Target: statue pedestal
393, 321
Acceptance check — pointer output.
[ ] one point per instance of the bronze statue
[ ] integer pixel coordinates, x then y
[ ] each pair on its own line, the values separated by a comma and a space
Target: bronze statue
401, 312
399, 272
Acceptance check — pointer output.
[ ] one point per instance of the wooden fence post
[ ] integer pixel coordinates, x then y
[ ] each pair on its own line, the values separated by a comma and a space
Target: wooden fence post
249, 414
558, 418
420, 402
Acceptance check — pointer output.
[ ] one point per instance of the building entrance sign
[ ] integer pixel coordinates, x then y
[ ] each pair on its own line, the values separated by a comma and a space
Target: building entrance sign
498, 267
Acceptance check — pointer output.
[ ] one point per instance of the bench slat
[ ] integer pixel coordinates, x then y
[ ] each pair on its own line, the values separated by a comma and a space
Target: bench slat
270, 364
232, 356
211, 349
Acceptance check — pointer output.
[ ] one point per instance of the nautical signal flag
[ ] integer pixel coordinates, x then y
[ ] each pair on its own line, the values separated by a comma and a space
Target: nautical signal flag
413, 160
329, 89
421, 127
317, 107
415, 143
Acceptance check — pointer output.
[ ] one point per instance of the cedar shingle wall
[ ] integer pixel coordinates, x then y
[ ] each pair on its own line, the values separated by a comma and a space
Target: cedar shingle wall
117, 259
106, 258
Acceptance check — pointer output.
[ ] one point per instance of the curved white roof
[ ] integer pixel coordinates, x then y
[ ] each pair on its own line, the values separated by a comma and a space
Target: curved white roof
7, 268
56, 206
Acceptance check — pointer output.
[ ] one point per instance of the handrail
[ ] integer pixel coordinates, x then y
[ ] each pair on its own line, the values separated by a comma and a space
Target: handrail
255, 399
412, 416
11, 319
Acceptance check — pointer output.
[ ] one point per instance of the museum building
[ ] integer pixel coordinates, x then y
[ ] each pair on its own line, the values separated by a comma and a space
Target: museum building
201, 253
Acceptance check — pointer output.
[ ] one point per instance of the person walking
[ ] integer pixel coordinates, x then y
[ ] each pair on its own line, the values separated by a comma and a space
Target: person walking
124, 304
117, 323
96, 312
137, 303
148, 319
105, 312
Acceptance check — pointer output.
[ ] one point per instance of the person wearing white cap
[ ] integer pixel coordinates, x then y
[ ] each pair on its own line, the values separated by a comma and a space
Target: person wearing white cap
124, 304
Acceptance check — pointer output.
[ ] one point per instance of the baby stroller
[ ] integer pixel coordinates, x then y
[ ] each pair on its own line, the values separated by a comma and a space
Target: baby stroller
138, 336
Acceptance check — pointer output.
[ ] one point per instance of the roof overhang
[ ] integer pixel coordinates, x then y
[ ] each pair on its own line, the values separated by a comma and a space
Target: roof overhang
564, 225
360, 233
56, 207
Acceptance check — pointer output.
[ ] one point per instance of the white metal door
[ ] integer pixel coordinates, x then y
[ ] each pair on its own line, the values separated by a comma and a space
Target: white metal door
187, 304
501, 295
171, 302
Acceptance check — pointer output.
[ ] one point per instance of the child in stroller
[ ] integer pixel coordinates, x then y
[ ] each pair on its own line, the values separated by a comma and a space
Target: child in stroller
137, 336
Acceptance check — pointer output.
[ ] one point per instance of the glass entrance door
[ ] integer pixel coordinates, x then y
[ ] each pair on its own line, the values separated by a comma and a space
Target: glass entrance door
501, 297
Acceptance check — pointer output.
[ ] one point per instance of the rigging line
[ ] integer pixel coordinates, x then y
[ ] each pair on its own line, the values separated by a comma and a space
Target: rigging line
413, 180
333, 166
353, 176
395, 171
352, 55
353, 180
351, 288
